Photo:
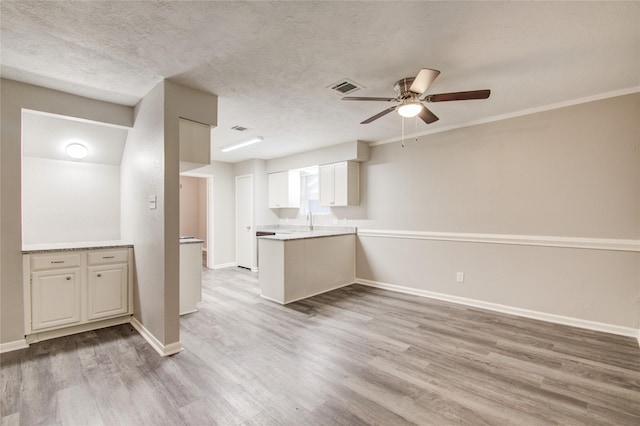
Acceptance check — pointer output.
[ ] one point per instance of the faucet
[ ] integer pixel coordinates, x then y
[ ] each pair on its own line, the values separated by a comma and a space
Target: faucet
310, 220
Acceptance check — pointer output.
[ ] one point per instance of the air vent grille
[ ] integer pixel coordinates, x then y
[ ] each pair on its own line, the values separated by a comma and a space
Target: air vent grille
239, 128
345, 86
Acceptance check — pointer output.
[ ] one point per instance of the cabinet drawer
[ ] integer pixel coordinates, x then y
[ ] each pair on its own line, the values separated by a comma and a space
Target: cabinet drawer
108, 256
53, 261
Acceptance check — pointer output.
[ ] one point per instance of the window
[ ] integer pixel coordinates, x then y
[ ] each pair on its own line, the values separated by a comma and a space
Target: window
310, 192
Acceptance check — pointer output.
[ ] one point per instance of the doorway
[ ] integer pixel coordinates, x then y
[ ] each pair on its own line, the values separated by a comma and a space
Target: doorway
196, 212
245, 234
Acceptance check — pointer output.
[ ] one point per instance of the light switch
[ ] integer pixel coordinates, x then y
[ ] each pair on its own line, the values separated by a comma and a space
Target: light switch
153, 201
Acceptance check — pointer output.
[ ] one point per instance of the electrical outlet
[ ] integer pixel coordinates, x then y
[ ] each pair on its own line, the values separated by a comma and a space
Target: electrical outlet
460, 277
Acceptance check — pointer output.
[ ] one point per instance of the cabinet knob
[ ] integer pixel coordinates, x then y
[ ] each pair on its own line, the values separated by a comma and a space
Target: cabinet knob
99, 275
68, 278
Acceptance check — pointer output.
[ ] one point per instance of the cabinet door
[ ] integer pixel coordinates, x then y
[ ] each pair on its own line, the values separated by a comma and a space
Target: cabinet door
55, 298
278, 189
326, 185
340, 184
284, 189
107, 291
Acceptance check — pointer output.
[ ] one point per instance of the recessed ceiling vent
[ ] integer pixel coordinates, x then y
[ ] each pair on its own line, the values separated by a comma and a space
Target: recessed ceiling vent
345, 86
239, 128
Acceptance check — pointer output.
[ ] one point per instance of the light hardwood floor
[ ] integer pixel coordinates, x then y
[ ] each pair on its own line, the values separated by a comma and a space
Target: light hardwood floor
354, 356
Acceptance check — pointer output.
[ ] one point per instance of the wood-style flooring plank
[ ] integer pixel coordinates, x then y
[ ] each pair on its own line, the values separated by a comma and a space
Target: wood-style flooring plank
353, 356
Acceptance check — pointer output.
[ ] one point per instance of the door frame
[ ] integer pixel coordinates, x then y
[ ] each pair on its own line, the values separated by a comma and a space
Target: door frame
210, 216
252, 245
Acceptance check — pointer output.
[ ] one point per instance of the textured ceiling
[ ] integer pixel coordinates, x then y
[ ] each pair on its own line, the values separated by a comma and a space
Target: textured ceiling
270, 62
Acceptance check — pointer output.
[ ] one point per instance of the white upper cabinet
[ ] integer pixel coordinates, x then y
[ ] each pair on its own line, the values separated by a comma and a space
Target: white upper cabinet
339, 184
284, 189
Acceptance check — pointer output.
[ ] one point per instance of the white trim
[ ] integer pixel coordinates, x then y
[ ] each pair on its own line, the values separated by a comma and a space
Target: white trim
224, 265
286, 302
542, 316
526, 240
80, 120
39, 336
515, 114
13, 346
163, 350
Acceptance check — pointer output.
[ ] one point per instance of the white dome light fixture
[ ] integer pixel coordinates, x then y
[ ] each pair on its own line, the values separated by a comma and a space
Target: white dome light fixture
410, 109
76, 150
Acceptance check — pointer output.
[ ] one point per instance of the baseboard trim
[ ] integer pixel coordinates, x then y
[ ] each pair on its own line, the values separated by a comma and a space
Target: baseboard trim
13, 346
542, 316
309, 295
224, 265
38, 336
524, 240
163, 350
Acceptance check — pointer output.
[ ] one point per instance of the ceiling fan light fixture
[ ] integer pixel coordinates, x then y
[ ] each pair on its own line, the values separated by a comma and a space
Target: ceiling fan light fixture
410, 109
242, 144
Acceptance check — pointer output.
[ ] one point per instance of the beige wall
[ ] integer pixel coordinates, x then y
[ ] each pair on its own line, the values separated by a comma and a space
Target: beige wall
14, 96
150, 167
566, 173
190, 207
143, 168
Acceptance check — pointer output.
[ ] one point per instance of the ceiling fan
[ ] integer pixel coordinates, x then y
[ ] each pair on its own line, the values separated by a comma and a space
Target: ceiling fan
410, 90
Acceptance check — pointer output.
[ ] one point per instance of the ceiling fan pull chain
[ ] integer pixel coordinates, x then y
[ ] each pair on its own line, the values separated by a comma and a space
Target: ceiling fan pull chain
416, 131
403, 132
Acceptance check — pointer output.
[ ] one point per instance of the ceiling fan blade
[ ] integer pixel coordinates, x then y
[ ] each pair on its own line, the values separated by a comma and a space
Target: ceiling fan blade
358, 98
423, 80
458, 96
427, 116
378, 115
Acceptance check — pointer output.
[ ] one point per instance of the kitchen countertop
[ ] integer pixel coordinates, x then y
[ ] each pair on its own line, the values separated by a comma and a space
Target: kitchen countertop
74, 246
190, 241
299, 232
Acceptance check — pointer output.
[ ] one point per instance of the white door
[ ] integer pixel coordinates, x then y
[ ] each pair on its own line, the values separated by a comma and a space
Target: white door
245, 234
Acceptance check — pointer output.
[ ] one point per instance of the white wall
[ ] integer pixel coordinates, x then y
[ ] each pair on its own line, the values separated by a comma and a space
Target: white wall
64, 201
570, 175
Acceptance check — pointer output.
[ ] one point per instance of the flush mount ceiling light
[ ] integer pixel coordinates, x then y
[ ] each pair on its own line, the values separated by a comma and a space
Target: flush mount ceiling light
76, 151
242, 143
410, 109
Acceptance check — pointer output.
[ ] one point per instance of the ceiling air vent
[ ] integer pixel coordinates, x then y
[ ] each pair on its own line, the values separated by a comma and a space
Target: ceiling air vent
345, 86
239, 128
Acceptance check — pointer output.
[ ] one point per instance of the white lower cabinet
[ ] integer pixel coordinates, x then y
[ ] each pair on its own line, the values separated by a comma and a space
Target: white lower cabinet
76, 288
